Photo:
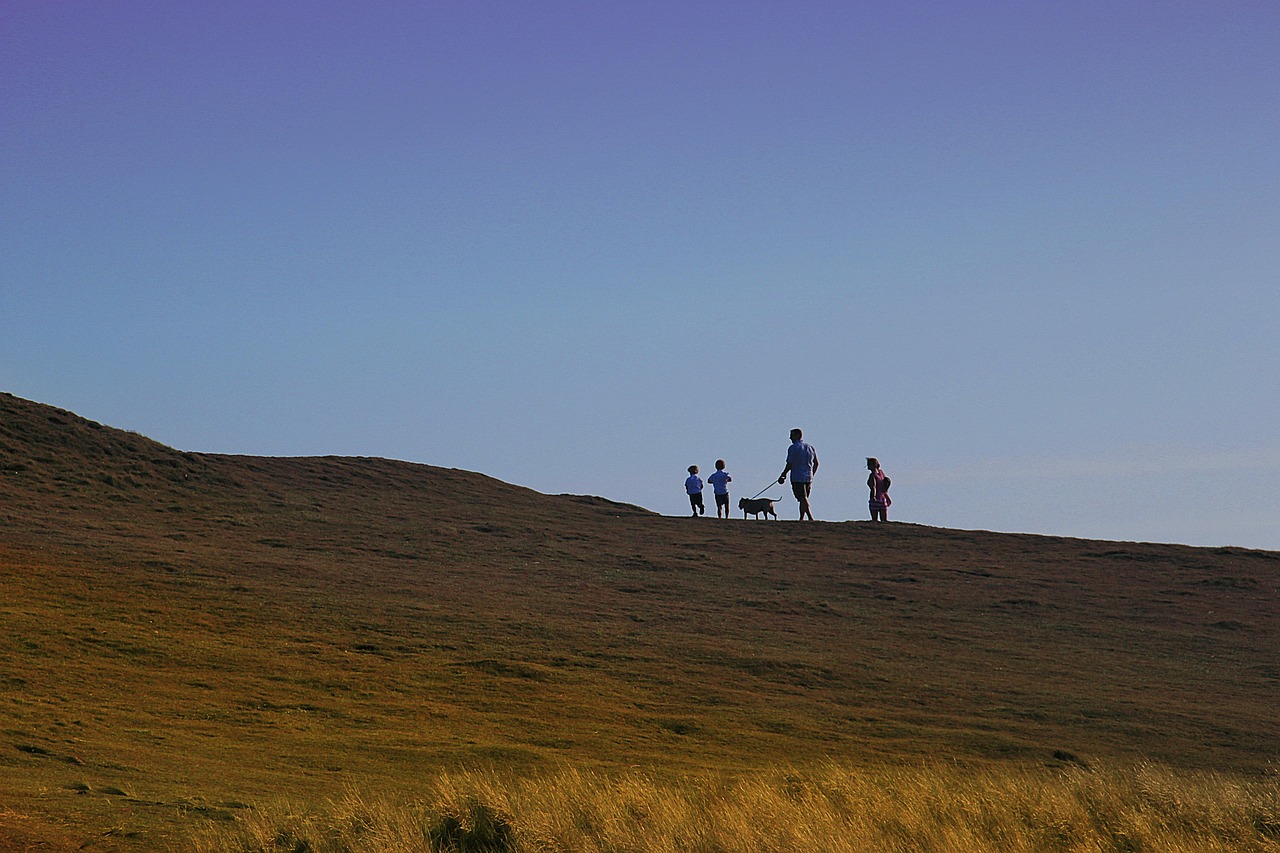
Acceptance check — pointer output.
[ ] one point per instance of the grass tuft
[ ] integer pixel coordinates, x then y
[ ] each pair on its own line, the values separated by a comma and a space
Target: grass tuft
832, 808
474, 827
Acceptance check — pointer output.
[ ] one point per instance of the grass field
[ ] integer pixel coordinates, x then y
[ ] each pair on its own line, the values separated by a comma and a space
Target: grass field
198, 649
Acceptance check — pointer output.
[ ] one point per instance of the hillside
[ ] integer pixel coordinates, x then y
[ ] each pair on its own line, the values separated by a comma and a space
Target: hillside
187, 633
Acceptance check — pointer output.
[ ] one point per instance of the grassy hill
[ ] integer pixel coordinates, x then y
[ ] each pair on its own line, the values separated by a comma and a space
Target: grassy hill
186, 635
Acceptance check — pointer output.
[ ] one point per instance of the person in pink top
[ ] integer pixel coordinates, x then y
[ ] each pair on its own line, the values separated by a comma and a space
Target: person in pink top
878, 483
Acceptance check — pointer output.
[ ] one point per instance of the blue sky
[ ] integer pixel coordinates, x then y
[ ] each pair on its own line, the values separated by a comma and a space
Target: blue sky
1025, 253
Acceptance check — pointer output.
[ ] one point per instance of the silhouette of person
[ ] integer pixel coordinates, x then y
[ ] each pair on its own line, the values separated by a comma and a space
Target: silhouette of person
720, 481
693, 488
802, 463
878, 483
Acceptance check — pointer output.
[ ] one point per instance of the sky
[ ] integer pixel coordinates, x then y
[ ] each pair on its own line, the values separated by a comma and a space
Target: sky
1026, 254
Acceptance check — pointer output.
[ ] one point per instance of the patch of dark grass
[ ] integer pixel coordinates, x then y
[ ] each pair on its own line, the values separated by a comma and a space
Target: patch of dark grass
1229, 583
777, 727
1268, 825
472, 827
1021, 604
681, 727
120, 647
794, 673
510, 669
286, 841
1068, 757
217, 812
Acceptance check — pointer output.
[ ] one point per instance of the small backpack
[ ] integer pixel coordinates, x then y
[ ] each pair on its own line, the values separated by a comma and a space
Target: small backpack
887, 481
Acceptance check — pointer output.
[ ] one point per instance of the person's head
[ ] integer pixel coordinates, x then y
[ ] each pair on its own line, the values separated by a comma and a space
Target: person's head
693, 469
873, 464
796, 434
719, 464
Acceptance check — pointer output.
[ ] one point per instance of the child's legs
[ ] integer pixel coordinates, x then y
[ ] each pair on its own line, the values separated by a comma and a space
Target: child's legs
722, 502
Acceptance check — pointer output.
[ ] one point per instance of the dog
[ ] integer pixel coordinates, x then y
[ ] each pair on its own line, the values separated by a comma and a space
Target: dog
755, 506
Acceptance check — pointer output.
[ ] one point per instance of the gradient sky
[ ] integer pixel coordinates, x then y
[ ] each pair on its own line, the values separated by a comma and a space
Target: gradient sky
1025, 253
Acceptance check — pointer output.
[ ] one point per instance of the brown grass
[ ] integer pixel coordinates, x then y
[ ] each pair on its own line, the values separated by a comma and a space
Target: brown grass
944, 808
187, 636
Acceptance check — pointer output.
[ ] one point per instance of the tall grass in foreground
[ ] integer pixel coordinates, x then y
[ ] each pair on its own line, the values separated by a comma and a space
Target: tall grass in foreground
936, 808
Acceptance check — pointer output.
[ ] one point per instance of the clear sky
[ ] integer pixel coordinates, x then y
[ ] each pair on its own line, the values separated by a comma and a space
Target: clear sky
1027, 254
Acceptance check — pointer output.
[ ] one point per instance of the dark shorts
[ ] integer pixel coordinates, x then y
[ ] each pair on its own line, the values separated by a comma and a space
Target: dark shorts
722, 500
801, 491
695, 501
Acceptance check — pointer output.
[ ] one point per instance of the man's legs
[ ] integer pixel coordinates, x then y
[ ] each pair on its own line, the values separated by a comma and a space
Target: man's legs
801, 491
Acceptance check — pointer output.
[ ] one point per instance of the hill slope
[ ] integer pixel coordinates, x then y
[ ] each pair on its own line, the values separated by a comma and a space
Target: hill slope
185, 631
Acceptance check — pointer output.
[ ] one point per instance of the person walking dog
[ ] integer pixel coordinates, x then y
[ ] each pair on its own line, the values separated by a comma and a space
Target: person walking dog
802, 464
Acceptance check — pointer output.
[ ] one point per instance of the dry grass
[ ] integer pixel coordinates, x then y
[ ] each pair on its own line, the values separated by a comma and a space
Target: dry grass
943, 808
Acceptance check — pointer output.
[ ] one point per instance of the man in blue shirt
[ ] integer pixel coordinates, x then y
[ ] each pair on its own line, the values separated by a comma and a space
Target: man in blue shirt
802, 462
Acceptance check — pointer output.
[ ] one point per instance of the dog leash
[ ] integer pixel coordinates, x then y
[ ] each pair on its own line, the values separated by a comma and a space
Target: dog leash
772, 483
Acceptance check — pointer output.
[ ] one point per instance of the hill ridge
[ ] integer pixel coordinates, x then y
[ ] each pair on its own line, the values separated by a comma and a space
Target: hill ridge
30, 431
220, 623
